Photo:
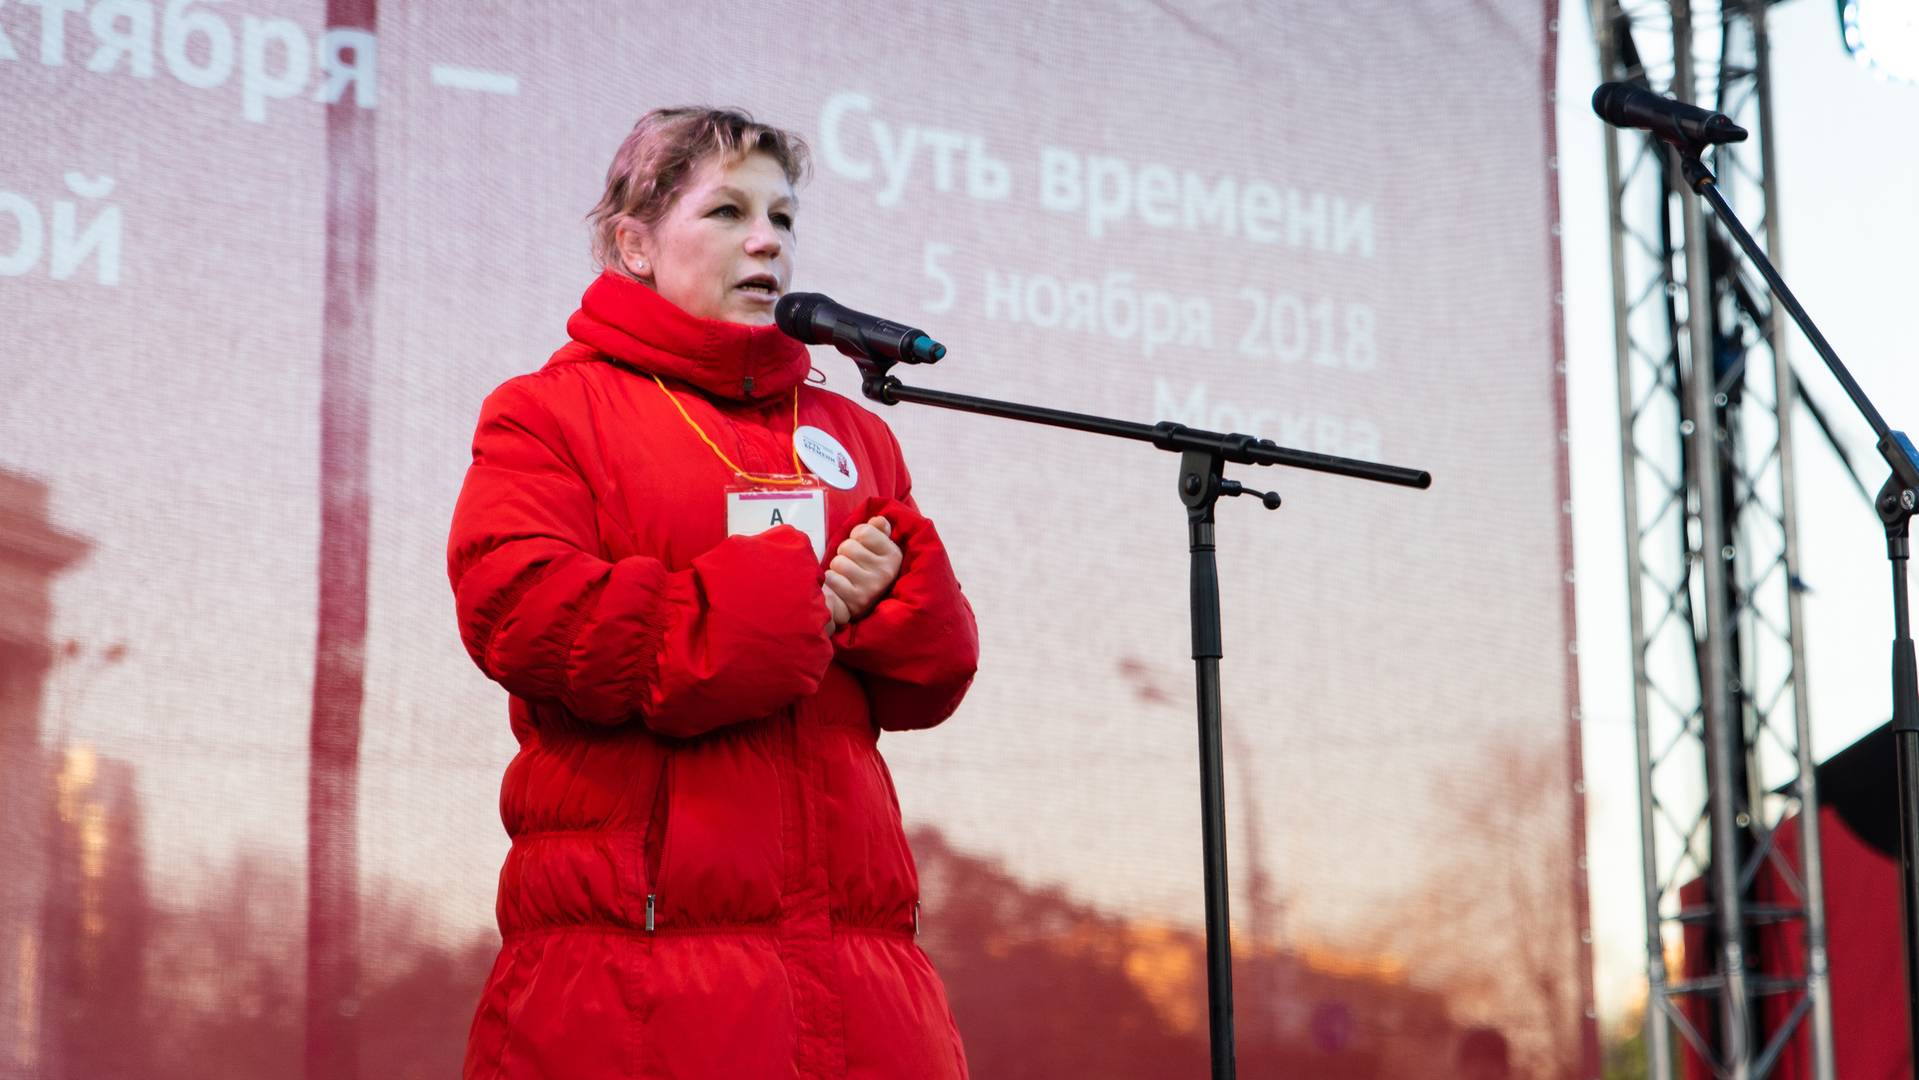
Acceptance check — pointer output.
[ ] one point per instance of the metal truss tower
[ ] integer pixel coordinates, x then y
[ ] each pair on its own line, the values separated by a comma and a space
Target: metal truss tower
1705, 401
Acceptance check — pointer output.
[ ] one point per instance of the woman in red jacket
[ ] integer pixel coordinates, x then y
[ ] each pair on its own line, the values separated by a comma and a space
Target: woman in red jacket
708, 876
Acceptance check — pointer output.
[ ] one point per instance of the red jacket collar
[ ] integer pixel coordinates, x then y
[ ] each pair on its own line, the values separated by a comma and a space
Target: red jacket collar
628, 321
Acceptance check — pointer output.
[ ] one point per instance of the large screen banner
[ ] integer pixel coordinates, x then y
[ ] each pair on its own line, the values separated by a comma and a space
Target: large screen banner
261, 261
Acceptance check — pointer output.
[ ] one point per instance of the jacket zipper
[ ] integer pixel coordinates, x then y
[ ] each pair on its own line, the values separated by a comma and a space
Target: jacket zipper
653, 846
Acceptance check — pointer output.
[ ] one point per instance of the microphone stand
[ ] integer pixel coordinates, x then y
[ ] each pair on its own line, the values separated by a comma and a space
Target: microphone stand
1895, 503
1203, 455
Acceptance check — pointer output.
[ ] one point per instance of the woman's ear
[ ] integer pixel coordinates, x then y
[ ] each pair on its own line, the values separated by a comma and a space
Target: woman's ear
635, 248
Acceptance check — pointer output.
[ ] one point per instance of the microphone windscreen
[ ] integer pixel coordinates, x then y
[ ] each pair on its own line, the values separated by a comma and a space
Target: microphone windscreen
1609, 101
795, 317
794, 313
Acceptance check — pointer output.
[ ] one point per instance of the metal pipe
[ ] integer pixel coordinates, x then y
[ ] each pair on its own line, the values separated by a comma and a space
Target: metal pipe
1658, 1027
1724, 735
1811, 863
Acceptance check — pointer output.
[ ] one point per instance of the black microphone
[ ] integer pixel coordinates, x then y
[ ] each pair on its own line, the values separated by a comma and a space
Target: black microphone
817, 320
1625, 105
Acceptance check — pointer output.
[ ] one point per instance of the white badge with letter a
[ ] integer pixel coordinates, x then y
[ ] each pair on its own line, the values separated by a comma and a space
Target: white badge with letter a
826, 457
755, 509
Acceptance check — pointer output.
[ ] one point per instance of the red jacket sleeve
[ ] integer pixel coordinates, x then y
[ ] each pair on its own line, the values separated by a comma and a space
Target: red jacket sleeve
734, 637
918, 648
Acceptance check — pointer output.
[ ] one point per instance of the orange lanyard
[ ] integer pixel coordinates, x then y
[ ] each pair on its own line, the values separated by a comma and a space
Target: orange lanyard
799, 474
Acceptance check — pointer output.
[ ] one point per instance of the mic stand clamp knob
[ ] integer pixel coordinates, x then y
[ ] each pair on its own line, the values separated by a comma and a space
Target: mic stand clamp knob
1234, 487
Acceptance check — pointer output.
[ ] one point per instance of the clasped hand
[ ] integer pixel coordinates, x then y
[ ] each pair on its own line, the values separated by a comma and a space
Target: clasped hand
863, 568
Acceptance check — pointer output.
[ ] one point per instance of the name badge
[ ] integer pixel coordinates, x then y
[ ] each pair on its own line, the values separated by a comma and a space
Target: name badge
754, 508
823, 454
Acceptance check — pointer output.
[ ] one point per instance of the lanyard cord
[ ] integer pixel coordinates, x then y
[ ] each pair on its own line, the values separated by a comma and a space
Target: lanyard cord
799, 473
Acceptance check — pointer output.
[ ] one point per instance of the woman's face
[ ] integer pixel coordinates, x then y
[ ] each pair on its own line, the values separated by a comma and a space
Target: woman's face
724, 250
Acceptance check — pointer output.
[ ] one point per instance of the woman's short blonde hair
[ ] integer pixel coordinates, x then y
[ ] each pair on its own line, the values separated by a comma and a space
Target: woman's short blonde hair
663, 150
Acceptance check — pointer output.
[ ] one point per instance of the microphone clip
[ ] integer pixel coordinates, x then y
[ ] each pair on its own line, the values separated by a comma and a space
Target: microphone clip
875, 383
1698, 177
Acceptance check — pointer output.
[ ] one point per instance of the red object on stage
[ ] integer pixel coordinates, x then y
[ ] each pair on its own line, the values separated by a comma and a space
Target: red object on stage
1859, 845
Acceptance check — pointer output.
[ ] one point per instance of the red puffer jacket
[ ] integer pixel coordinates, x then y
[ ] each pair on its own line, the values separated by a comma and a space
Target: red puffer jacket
708, 876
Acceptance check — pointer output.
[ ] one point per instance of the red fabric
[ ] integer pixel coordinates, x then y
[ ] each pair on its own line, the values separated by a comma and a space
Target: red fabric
689, 735
1863, 949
